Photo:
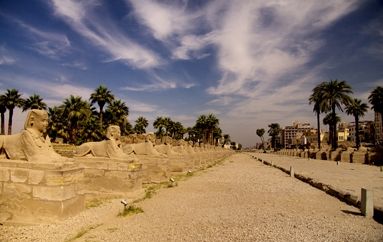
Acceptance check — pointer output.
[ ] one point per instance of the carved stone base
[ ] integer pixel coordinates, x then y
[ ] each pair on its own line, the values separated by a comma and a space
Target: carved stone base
38, 192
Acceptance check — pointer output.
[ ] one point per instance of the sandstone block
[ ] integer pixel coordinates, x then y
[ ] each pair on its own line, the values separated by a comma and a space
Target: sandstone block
93, 173
35, 177
62, 177
118, 174
345, 157
4, 175
19, 175
54, 193
17, 189
359, 157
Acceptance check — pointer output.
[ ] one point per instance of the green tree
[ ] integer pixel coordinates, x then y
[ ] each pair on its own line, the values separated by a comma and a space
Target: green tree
335, 94
117, 113
316, 98
102, 95
226, 139
77, 112
330, 121
34, 102
376, 100
260, 133
12, 99
141, 124
357, 109
160, 124
274, 130
212, 124
3, 109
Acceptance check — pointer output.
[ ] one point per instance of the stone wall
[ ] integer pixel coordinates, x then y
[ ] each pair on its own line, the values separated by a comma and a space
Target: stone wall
39, 191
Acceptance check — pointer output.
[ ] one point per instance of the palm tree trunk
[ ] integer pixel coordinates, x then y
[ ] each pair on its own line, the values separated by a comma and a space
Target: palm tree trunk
357, 138
2, 124
10, 121
334, 143
101, 114
318, 125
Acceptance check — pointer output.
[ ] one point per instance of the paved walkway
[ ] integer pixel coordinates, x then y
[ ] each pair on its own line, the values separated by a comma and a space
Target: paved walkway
346, 179
241, 200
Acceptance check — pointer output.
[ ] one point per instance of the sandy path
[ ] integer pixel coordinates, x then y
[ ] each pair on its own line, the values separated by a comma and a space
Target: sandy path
241, 200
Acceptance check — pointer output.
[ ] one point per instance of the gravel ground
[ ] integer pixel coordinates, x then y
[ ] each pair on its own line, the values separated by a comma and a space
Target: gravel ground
241, 200
347, 177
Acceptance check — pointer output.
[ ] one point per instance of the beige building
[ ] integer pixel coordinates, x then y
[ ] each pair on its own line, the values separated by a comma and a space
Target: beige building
295, 134
343, 132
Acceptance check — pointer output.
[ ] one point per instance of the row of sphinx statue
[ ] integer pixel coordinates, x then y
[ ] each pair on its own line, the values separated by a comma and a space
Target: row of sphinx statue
34, 145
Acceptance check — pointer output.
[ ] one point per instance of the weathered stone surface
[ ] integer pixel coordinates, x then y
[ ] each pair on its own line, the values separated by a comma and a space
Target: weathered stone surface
346, 157
19, 175
17, 189
36, 177
54, 193
93, 173
119, 174
4, 175
359, 157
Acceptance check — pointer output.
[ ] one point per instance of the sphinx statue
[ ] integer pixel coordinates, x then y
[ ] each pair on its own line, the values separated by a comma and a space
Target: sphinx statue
32, 144
110, 148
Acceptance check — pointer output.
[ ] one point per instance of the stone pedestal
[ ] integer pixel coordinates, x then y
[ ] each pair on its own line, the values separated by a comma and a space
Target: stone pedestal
109, 175
359, 157
345, 156
36, 192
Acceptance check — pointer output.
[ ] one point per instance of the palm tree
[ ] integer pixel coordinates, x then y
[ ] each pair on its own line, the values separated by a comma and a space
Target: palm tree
316, 98
3, 109
357, 109
34, 102
217, 135
117, 113
335, 94
330, 121
212, 123
260, 133
376, 100
226, 139
102, 95
12, 99
141, 124
76, 111
202, 127
274, 131
160, 125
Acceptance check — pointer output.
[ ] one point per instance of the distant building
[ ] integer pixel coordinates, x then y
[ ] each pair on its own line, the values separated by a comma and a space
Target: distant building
297, 133
343, 132
366, 131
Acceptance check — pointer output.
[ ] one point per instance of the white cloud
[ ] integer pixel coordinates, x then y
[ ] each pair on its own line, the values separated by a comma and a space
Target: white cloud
158, 84
102, 33
164, 20
47, 43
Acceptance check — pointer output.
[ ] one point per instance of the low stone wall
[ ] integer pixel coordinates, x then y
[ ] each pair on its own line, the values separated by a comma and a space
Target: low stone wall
109, 175
38, 192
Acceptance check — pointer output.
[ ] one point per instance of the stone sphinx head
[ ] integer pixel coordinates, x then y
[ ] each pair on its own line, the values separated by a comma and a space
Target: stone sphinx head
37, 120
113, 132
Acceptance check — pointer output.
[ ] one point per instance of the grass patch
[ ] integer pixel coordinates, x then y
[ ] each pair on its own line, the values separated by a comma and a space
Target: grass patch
93, 203
83, 231
130, 210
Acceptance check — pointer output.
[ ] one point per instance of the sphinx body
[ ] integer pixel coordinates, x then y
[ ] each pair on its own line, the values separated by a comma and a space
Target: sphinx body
32, 144
110, 148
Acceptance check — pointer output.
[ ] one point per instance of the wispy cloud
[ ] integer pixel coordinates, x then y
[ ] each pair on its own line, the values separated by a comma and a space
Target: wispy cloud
102, 33
158, 84
47, 43
164, 20
5, 57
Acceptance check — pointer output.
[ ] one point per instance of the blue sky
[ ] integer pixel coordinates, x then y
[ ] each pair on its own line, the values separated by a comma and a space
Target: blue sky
249, 62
